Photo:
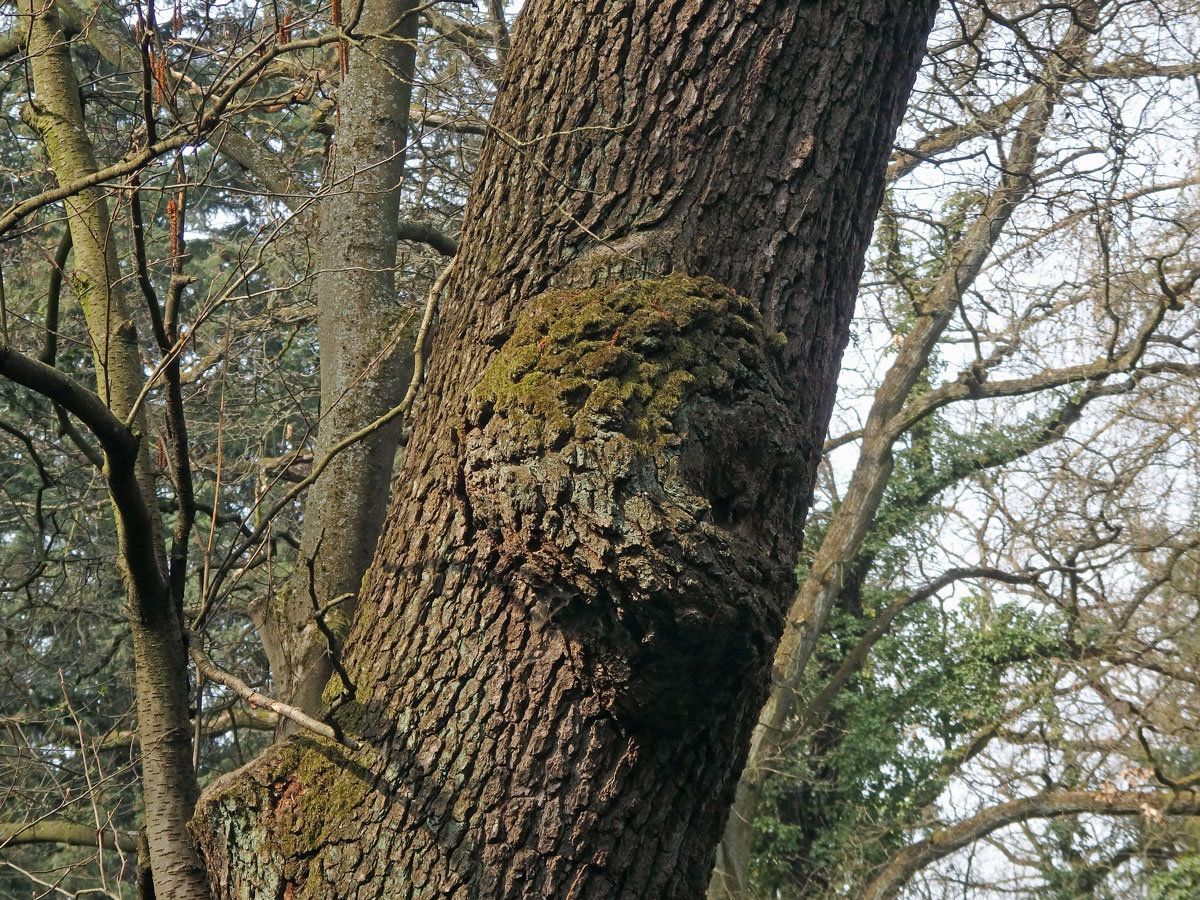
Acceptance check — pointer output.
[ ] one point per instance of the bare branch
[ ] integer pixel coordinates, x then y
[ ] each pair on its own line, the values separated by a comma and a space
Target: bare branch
945, 841
210, 671
57, 831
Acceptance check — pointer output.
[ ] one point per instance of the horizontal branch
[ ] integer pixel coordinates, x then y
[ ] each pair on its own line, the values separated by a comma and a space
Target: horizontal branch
906, 159
971, 386
472, 40
58, 831
423, 233
455, 123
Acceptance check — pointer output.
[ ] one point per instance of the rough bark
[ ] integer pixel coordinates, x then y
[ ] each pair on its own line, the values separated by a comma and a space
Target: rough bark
566, 635
169, 784
365, 363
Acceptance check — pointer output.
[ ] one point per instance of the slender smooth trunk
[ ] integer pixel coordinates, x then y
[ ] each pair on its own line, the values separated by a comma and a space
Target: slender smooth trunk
565, 638
169, 783
365, 361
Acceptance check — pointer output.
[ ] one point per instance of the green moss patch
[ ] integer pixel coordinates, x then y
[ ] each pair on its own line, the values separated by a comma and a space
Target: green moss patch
624, 359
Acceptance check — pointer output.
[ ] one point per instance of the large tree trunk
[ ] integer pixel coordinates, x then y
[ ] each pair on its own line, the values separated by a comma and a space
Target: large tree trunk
850, 522
566, 636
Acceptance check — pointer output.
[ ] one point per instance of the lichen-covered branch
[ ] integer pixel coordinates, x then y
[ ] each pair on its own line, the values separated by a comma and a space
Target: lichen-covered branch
57, 831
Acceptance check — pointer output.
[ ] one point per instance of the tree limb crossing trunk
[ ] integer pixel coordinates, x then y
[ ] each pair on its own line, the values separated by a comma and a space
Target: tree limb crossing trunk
566, 635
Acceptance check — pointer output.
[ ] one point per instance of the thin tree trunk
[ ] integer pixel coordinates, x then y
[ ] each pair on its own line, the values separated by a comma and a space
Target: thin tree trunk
567, 633
168, 780
365, 362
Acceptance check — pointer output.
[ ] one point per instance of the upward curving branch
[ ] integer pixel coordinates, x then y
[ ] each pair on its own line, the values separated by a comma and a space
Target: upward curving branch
944, 841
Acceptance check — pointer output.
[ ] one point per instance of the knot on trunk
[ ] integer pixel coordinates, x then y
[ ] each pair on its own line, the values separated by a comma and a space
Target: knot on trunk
630, 455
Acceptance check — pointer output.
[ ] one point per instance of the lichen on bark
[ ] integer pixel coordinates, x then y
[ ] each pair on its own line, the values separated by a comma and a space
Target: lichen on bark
284, 819
624, 450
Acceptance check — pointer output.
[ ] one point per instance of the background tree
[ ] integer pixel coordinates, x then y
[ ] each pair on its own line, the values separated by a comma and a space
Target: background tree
941, 670
242, 253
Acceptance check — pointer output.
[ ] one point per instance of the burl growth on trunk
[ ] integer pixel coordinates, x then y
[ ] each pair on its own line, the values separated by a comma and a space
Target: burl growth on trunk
556, 682
627, 450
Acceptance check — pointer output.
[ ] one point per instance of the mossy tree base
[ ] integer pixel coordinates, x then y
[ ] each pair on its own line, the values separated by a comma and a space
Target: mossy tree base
283, 820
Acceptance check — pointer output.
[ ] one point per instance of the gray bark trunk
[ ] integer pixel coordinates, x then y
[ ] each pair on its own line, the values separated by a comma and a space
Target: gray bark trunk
365, 363
567, 633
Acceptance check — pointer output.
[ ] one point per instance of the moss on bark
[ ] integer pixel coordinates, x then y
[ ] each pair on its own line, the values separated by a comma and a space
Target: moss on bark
624, 450
624, 359
285, 818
